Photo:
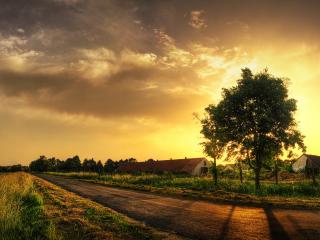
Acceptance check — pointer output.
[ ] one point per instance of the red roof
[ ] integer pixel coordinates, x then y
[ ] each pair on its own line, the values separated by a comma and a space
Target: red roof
175, 166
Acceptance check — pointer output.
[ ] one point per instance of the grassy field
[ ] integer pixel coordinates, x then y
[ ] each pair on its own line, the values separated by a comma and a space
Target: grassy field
31, 208
22, 213
287, 189
286, 193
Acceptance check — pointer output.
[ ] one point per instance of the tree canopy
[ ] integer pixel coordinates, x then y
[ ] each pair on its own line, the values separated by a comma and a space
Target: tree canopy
255, 118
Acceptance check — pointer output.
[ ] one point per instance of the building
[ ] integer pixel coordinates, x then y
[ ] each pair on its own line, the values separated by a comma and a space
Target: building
310, 164
307, 162
192, 166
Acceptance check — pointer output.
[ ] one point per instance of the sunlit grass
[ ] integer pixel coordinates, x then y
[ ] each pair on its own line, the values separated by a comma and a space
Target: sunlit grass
33, 209
285, 189
79, 218
21, 209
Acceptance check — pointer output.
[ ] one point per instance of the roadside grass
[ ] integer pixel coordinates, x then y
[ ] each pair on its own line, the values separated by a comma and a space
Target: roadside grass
78, 218
285, 189
21, 210
289, 194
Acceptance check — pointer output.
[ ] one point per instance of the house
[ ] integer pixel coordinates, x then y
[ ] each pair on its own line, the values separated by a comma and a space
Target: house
307, 162
192, 166
310, 164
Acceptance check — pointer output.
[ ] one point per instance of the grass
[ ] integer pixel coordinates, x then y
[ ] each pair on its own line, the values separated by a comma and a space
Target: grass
286, 189
21, 210
78, 218
290, 193
31, 208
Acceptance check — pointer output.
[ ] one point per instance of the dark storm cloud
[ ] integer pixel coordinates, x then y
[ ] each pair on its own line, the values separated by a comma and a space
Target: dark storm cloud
56, 27
124, 94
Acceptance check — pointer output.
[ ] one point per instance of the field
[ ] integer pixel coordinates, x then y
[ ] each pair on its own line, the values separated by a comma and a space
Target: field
22, 214
289, 192
31, 208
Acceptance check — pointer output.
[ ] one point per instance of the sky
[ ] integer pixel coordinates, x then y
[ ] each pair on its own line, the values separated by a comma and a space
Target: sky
119, 79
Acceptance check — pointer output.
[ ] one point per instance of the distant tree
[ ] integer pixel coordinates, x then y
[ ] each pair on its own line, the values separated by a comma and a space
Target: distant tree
16, 168
258, 118
52, 164
60, 165
86, 165
13, 168
150, 160
39, 165
131, 160
3, 169
73, 164
89, 165
99, 167
109, 166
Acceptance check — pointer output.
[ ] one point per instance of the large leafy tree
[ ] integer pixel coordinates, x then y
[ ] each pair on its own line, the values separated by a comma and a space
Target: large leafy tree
256, 118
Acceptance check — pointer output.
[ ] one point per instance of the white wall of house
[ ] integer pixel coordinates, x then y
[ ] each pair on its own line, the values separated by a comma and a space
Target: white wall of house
300, 164
203, 163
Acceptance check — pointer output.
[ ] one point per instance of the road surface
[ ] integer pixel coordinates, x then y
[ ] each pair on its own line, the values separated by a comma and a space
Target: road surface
199, 219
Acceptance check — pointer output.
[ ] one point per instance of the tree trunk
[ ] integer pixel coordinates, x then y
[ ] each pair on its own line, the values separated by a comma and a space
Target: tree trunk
257, 172
276, 171
240, 172
257, 178
313, 177
215, 172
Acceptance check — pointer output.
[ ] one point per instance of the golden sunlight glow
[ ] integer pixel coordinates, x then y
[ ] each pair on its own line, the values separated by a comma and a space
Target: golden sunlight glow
130, 88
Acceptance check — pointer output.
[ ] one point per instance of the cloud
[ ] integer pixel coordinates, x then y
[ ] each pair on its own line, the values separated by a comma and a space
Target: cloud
125, 92
196, 19
96, 60
110, 83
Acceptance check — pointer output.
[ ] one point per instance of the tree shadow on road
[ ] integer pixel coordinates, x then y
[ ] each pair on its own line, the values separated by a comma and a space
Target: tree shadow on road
226, 224
277, 232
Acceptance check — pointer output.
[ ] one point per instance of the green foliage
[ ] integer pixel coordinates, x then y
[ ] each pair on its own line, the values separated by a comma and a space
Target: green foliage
89, 165
254, 120
73, 164
289, 189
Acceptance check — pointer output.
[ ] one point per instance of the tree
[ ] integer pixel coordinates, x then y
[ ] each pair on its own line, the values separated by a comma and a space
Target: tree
99, 167
60, 165
39, 165
213, 146
73, 164
89, 165
237, 155
131, 160
257, 118
109, 166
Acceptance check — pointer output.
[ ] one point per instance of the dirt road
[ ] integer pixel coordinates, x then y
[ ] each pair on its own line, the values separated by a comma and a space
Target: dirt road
198, 219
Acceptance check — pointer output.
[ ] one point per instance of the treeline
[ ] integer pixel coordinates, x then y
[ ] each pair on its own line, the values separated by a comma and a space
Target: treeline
13, 168
74, 164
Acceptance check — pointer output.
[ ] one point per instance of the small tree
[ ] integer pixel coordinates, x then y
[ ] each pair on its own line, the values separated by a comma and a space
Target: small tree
213, 146
99, 168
